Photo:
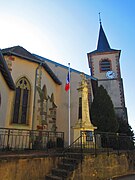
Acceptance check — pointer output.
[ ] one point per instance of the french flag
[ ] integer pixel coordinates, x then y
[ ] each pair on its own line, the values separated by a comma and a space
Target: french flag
67, 86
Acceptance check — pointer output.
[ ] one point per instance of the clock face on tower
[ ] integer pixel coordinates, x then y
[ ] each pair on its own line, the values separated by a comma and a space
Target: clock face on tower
110, 74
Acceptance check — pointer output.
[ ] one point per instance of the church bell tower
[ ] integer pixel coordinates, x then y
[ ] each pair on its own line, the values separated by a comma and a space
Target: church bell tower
104, 64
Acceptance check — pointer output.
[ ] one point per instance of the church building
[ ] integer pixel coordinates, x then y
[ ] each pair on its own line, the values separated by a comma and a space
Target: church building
32, 92
32, 88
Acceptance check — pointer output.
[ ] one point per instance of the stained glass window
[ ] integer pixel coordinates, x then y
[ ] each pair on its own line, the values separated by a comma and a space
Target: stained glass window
21, 103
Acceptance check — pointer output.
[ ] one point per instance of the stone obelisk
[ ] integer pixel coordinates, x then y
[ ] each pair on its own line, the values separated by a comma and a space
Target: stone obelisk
83, 123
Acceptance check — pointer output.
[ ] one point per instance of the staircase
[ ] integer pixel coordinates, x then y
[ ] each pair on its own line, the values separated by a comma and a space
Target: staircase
65, 167
71, 157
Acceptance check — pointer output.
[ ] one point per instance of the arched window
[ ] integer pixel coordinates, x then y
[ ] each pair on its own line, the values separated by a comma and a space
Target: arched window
21, 103
105, 65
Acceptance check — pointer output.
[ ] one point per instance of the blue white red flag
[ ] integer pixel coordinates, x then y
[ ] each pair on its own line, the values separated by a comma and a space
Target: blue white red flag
67, 86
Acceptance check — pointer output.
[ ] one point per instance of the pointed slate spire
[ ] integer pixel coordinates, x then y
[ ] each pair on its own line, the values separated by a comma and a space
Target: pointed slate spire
103, 45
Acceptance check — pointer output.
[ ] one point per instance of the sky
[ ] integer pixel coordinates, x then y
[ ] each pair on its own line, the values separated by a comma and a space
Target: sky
66, 30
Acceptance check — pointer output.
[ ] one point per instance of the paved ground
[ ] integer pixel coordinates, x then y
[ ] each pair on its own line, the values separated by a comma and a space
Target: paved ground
131, 177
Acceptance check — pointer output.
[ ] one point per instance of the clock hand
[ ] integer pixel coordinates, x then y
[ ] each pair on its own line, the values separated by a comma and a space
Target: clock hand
111, 74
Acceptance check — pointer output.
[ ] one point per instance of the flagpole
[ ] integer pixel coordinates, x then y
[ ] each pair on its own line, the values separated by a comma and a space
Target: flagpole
69, 107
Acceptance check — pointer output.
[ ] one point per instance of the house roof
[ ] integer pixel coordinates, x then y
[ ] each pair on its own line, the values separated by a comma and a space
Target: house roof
5, 72
23, 53
103, 44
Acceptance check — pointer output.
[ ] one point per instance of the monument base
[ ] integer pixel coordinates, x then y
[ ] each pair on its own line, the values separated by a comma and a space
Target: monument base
86, 131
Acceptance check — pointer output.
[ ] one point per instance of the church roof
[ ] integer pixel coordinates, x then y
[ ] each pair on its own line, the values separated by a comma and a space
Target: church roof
23, 53
63, 66
103, 44
6, 73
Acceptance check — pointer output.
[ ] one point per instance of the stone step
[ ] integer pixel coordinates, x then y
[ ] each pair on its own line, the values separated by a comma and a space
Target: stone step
69, 167
74, 155
83, 150
52, 177
74, 150
65, 167
70, 161
60, 172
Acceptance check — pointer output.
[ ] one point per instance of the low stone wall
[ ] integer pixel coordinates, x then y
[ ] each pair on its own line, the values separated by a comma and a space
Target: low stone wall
31, 167
26, 168
105, 167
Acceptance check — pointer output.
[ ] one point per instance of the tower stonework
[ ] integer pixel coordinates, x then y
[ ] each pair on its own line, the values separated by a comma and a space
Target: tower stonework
105, 66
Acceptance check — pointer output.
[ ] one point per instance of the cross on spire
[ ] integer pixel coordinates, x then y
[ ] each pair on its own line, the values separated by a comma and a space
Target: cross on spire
100, 18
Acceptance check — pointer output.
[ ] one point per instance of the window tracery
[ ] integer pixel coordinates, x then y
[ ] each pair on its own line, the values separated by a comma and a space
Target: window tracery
21, 103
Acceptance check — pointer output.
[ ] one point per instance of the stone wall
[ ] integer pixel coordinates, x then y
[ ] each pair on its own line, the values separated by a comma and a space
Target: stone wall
102, 167
28, 168
105, 167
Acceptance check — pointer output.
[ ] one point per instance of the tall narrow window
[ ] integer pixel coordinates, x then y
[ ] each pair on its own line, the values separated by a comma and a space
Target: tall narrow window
21, 104
0, 99
80, 108
105, 65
